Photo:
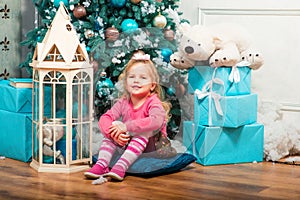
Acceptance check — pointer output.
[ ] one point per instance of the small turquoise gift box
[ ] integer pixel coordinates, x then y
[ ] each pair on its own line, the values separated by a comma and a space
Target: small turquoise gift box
236, 80
225, 111
20, 99
16, 135
217, 145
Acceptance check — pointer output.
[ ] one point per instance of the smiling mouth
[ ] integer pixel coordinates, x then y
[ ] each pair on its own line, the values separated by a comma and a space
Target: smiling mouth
136, 87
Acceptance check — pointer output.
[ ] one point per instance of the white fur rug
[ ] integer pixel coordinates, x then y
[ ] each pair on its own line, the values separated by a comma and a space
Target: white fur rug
282, 137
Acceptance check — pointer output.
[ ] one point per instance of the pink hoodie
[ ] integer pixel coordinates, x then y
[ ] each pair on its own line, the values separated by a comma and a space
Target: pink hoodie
150, 117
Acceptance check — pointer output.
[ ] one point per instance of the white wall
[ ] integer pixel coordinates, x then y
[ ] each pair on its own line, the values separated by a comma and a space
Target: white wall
275, 27
190, 10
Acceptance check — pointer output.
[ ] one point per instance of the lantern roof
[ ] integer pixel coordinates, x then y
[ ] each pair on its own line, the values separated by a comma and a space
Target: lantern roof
61, 45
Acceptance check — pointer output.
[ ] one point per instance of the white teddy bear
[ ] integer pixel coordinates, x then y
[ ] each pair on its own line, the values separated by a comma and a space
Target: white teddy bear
219, 45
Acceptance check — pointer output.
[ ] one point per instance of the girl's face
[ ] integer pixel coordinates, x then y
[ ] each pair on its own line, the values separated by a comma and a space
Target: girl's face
139, 81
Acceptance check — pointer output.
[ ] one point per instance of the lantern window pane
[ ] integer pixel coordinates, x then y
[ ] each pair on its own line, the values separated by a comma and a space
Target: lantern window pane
55, 76
81, 113
54, 55
35, 115
81, 77
79, 55
54, 145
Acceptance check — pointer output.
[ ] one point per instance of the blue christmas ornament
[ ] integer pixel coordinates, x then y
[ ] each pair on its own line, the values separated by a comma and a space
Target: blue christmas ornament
117, 3
129, 25
38, 39
104, 86
171, 91
166, 53
88, 49
57, 2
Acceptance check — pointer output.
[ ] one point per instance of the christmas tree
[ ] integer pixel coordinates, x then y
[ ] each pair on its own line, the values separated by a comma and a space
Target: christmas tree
111, 31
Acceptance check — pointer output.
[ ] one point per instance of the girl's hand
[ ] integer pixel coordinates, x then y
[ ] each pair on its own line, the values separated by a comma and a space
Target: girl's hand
120, 125
123, 139
116, 128
117, 132
114, 131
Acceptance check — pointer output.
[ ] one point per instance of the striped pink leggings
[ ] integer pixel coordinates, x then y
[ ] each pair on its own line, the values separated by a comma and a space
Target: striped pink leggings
134, 149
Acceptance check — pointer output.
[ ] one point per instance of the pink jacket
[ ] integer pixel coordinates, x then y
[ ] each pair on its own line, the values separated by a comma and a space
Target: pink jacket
150, 117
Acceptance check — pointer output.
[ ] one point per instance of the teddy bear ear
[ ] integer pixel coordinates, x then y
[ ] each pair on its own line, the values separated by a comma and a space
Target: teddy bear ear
217, 41
184, 27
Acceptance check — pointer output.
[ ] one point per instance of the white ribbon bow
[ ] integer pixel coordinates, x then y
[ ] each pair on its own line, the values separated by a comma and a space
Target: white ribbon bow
207, 91
139, 56
234, 75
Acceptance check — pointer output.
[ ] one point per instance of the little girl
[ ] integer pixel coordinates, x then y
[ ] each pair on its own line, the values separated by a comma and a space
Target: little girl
136, 122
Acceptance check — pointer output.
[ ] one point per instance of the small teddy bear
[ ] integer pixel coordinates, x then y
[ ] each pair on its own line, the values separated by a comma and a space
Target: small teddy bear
219, 45
52, 132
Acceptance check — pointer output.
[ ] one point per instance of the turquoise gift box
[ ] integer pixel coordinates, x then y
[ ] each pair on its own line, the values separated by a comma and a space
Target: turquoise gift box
16, 135
20, 99
198, 76
236, 110
219, 145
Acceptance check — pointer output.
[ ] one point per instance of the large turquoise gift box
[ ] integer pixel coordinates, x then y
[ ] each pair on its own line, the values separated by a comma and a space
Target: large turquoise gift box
16, 120
16, 135
227, 111
20, 99
236, 80
218, 145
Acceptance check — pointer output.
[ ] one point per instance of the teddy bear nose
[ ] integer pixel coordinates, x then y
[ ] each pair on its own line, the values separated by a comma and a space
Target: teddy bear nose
189, 49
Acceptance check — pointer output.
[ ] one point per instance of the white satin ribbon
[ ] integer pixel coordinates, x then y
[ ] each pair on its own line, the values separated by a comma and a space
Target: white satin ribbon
207, 91
234, 75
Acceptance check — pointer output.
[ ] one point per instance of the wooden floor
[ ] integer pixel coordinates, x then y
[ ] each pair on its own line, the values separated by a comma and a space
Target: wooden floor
241, 181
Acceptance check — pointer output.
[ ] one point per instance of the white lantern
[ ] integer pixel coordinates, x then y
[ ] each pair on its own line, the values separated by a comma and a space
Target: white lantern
62, 72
